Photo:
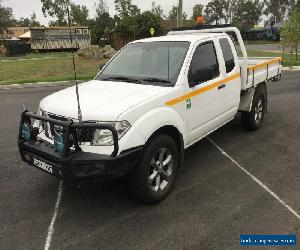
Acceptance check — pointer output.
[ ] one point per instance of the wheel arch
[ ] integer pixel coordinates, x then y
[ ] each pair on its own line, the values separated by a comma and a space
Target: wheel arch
247, 97
175, 134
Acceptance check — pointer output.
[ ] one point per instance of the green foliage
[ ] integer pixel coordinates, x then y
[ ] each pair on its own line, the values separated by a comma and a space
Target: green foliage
291, 32
101, 26
297, 6
27, 22
277, 10
125, 8
173, 14
57, 9
79, 14
6, 17
247, 13
243, 14
146, 21
217, 12
197, 11
131, 22
157, 10
33, 21
101, 8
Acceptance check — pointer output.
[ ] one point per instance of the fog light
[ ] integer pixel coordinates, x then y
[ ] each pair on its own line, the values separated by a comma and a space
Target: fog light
29, 132
59, 144
26, 128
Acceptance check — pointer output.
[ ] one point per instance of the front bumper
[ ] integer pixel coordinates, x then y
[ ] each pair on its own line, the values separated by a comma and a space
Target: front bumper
74, 164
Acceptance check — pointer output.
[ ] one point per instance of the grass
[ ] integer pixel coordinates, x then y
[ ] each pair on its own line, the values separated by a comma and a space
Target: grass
287, 61
37, 55
58, 67
47, 70
258, 42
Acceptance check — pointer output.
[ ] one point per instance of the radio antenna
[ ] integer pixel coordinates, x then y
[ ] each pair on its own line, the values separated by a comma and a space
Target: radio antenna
74, 69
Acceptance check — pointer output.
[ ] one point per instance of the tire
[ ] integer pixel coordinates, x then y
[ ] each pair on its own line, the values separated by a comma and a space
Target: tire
277, 78
253, 120
153, 178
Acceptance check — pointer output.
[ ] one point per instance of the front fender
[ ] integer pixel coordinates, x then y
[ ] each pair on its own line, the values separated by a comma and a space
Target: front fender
157, 118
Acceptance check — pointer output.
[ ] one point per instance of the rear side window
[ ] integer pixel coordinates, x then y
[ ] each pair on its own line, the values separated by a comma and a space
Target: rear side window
228, 55
204, 61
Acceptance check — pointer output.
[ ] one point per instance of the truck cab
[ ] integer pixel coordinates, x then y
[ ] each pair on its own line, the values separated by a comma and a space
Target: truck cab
155, 98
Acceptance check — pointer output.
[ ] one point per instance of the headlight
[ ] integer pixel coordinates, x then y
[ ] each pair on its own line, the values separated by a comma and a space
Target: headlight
104, 137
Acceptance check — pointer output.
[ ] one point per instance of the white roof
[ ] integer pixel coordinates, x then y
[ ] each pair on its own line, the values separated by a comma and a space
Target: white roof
181, 38
26, 35
14, 39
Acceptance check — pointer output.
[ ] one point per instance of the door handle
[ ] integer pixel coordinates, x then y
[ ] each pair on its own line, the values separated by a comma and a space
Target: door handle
221, 86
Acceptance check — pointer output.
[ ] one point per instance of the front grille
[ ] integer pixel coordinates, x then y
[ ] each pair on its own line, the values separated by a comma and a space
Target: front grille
84, 135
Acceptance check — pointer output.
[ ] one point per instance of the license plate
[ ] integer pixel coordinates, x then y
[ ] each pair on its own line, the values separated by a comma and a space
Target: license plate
42, 165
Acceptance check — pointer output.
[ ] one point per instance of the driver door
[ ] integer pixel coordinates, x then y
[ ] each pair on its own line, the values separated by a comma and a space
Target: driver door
206, 100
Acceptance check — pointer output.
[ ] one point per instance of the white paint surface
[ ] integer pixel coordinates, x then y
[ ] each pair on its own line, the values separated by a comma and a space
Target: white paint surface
51, 226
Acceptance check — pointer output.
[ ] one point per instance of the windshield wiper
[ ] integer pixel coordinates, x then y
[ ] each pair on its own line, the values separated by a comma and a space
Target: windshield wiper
153, 79
121, 78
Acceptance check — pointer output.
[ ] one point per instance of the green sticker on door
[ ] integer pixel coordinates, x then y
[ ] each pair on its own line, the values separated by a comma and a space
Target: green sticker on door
188, 104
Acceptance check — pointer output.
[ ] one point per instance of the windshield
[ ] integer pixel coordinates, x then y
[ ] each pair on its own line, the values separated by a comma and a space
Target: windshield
156, 63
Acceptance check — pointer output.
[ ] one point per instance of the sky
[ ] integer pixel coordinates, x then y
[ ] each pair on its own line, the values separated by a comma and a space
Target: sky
24, 8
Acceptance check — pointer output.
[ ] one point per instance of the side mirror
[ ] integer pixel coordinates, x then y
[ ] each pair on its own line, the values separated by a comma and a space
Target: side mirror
201, 75
102, 66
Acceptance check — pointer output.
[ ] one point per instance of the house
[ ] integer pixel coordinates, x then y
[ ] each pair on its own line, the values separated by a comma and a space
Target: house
59, 38
15, 32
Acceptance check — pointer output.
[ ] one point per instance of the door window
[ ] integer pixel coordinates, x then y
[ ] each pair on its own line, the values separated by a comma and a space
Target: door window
228, 55
204, 65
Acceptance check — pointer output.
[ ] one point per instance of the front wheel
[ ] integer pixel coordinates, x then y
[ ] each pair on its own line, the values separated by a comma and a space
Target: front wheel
153, 178
253, 120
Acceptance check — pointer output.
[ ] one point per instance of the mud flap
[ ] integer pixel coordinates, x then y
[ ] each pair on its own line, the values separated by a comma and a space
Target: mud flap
247, 97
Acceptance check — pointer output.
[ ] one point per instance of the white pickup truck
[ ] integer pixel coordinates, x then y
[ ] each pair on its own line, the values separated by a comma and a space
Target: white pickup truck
154, 99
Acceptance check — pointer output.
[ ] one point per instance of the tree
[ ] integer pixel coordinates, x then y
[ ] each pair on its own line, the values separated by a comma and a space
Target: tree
33, 20
101, 27
197, 11
157, 10
28, 22
297, 6
23, 22
101, 8
6, 17
57, 9
218, 11
122, 7
103, 23
127, 17
173, 14
134, 10
146, 21
247, 13
291, 32
277, 10
79, 14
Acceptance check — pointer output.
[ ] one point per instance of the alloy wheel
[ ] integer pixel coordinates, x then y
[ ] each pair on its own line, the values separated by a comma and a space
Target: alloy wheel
161, 169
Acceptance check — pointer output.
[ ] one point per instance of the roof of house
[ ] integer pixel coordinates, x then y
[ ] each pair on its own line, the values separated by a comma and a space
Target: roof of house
18, 28
26, 35
59, 28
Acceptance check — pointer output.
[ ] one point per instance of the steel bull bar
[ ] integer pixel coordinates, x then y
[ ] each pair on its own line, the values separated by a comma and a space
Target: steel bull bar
65, 159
